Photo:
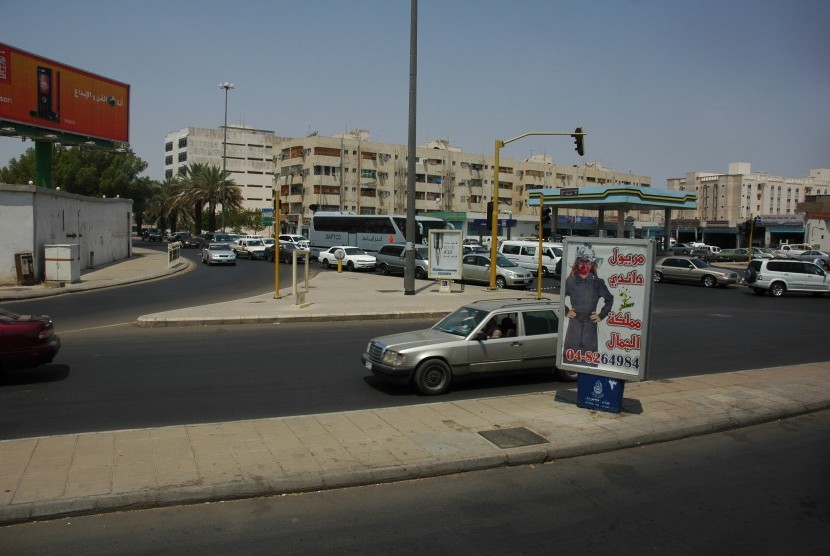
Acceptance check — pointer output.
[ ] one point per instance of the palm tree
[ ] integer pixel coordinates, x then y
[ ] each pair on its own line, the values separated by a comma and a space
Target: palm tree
203, 186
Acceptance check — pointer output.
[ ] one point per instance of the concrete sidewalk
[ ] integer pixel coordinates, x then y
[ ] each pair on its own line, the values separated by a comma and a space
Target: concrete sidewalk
103, 471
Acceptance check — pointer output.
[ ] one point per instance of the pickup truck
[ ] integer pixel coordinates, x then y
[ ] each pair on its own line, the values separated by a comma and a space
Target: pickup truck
793, 250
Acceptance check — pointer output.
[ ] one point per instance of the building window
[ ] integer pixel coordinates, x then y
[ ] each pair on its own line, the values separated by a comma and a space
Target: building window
183, 142
168, 160
168, 146
183, 157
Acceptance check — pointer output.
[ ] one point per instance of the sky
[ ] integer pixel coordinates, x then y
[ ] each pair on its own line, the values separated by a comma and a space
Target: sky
661, 87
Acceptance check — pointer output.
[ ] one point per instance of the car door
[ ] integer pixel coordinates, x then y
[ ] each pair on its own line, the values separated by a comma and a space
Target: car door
539, 335
815, 279
475, 268
495, 354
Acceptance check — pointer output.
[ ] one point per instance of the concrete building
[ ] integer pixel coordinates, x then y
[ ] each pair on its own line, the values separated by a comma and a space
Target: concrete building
249, 160
726, 201
352, 173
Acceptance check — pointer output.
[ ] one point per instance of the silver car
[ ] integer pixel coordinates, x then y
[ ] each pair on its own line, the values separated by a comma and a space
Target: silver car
693, 270
485, 337
476, 268
218, 253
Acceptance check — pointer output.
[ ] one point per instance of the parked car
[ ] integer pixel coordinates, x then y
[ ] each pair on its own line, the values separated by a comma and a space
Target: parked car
298, 240
188, 240
792, 250
693, 270
681, 249
26, 340
461, 345
353, 258
768, 252
815, 256
391, 258
524, 253
475, 267
151, 234
475, 249
704, 254
781, 276
740, 254
249, 248
218, 253
217, 237
285, 253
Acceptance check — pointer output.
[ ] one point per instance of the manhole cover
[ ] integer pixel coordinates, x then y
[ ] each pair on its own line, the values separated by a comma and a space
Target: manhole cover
513, 438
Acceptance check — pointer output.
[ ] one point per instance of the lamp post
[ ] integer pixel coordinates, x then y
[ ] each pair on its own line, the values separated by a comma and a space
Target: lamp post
578, 136
225, 86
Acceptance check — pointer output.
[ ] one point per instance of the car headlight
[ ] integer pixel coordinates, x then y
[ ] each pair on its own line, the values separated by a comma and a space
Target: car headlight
393, 358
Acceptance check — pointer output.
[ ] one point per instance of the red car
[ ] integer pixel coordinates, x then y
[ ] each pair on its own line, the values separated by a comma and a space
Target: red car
26, 340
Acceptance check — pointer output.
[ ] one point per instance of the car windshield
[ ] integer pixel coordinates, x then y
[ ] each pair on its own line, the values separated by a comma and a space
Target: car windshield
353, 251
504, 262
220, 247
461, 322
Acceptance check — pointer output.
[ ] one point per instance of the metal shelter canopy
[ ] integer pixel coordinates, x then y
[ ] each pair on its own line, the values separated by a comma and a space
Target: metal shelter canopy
615, 197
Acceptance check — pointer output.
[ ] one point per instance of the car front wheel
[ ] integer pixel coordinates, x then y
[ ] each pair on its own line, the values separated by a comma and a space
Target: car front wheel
501, 283
710, 281
433, 377
350, 266
567, 376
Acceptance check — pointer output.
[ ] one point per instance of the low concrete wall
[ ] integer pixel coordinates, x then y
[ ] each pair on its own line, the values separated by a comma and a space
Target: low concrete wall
32, 217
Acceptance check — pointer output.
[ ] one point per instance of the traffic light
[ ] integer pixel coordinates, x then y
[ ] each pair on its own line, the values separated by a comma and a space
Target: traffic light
489, 209
579, 141
747, 227
546, 215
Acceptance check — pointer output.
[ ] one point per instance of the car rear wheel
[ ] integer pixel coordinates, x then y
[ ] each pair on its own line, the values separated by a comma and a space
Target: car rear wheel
433, 377
658, 276
710, 281
567, 376
777, 289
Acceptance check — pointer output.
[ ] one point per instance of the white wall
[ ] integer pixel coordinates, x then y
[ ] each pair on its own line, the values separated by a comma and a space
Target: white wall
32, 217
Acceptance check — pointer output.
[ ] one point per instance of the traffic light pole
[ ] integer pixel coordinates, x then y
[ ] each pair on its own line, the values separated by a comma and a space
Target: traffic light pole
578, 136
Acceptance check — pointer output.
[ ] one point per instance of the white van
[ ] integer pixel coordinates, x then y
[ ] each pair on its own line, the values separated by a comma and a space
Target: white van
524, 253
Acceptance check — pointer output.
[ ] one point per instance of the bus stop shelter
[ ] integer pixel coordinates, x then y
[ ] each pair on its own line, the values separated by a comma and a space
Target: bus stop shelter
619, 198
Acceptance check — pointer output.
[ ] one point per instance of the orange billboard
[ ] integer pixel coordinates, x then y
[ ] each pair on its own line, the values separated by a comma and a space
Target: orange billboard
46, 94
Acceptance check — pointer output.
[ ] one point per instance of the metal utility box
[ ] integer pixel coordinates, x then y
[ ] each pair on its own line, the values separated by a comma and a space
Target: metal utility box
63, 263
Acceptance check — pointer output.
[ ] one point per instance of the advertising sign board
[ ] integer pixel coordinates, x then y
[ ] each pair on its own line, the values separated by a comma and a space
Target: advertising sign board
606, 306
45, 94
445, 252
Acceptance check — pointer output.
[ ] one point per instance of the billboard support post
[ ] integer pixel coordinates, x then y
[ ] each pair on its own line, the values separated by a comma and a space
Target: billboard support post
43, 164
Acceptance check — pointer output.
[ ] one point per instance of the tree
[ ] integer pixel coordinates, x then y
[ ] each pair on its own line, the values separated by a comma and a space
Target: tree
202, 186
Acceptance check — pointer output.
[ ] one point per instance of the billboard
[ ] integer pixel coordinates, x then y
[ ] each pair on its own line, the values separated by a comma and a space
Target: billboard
606, 297
49, 95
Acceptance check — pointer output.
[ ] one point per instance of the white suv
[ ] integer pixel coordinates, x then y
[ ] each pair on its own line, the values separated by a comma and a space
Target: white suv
778, 276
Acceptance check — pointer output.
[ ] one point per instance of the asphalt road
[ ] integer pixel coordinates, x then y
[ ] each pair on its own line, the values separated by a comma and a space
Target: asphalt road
111, 374
756, 490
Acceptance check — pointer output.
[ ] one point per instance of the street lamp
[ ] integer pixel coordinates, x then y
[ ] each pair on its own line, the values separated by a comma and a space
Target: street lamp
225, 86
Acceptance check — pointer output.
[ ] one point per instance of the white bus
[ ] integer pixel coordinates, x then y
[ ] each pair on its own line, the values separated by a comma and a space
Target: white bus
366, 231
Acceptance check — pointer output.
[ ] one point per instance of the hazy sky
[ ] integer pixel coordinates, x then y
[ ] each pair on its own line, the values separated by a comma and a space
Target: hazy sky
662, 87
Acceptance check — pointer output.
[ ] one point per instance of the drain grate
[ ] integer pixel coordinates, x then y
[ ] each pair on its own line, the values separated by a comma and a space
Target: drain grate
513, 438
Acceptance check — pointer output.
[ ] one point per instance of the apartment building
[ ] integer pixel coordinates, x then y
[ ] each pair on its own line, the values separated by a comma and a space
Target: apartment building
350, 172
248, 158
726, 201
